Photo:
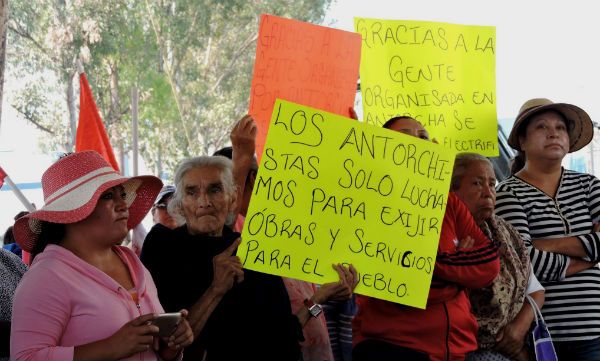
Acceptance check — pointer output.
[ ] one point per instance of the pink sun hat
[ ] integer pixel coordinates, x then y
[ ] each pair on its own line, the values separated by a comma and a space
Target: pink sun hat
72, 187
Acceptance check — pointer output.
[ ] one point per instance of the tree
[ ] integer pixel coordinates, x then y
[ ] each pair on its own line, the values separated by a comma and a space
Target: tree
192, 61
3, 21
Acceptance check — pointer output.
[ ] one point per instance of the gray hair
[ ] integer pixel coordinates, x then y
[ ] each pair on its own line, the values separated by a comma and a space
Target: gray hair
225, 165
461, 164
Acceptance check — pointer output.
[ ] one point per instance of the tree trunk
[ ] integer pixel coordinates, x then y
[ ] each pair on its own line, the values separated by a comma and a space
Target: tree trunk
159, 167
3, 23
114, 115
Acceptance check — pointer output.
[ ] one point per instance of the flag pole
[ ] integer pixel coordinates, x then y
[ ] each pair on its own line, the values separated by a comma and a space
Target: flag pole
79, 66
19, 194
25, 256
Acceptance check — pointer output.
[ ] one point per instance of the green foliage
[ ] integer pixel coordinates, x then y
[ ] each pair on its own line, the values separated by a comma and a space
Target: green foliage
192, 61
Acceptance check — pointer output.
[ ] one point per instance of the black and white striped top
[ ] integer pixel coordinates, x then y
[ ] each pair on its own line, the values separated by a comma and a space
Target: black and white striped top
572, 306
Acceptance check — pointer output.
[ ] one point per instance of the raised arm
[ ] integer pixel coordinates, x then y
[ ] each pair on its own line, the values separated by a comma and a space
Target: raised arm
243, 143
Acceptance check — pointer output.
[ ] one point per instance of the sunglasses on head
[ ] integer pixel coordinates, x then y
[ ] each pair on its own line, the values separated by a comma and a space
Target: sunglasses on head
160, 206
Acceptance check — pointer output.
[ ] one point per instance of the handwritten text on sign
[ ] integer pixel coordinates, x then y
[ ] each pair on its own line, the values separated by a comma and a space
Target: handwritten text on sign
333, 190
444, 75
304, 63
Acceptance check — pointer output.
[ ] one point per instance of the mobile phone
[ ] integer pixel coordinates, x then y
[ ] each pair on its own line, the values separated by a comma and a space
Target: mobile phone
167, 323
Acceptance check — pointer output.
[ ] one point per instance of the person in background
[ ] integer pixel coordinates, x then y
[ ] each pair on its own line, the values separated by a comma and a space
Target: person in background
503, 313
85, 297
12, 270
446, 329
9, 238
557, 213
160, 215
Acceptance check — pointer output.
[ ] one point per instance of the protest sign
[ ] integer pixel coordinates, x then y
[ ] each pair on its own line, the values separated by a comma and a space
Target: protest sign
333, 190
304, 63
443, 75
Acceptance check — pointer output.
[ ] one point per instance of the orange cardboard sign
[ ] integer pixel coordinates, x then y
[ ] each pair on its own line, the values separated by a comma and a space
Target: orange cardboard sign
304, 63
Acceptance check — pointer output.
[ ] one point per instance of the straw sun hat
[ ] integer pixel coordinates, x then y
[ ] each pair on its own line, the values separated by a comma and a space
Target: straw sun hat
72, 187
579, 122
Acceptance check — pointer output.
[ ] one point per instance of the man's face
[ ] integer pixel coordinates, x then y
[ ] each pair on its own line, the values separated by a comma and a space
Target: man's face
206, 203
161, 215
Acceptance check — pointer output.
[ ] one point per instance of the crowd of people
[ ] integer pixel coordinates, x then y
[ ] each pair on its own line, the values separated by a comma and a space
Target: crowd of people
531, 238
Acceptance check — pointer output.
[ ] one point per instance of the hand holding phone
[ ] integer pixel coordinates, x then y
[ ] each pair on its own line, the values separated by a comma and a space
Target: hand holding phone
167, 323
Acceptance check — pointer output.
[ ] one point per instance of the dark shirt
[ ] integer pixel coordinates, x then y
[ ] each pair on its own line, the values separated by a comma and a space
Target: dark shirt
12, 270
253, 321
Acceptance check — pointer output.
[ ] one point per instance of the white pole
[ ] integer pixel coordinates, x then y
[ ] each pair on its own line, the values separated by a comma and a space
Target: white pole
19, 195
134, 128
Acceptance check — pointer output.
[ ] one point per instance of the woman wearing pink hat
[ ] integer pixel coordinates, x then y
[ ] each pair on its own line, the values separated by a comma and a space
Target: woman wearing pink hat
85, 297
557, 213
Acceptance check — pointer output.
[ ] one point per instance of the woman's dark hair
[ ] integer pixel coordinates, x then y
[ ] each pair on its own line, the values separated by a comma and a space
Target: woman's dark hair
9, 237
517, 163
393, 120
51, 233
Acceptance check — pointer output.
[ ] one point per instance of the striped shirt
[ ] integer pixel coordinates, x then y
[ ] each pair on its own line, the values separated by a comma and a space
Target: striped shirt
572, 306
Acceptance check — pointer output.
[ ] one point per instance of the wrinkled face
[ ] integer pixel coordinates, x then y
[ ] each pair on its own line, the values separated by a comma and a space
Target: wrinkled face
161, 215
410, 127
546, 136
478, 190
108, 221
205, 202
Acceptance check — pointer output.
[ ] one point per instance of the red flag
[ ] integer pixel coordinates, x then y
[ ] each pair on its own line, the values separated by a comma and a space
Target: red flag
2, 176
91, 134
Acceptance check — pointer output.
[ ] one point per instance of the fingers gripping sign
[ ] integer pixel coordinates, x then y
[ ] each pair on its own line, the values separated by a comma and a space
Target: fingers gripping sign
342, 289
227, 269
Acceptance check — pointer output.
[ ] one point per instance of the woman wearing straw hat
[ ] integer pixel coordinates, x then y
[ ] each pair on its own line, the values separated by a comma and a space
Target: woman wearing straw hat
85, 297
557, 211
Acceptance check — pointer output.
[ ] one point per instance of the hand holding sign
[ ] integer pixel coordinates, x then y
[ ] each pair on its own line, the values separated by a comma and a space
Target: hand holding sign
227, 269
341, 290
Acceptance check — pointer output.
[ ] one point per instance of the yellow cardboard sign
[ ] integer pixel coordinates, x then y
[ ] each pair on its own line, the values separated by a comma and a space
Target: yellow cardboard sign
443, 75
333, 190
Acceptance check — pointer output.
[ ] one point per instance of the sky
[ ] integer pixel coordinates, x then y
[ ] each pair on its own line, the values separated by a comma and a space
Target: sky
547, 49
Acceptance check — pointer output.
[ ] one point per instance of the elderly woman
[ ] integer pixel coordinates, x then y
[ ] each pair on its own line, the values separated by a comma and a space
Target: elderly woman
85, 297
502, 313
557, 211
194, 266
446, 329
